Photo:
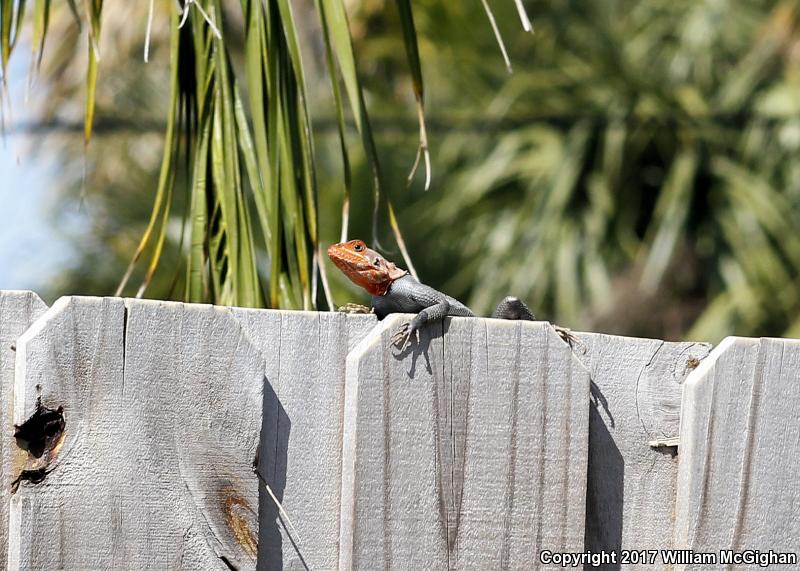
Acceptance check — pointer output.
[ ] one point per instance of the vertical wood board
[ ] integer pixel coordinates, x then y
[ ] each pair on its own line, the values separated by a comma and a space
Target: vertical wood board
465, 451
739, 471
636, 397
301, 441
18, 309
162, 413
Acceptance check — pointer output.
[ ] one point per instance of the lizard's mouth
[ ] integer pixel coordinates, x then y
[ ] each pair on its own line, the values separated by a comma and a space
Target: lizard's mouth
359, 270
345, 261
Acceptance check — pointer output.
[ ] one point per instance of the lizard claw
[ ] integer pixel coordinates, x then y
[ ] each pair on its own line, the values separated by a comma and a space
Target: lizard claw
402, 336
569, 338
354, 308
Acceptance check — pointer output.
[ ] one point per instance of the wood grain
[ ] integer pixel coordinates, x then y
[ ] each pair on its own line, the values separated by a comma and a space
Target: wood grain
739, 471
162, 413
301, 441
467, 451
636, 397
485, 443
18, 310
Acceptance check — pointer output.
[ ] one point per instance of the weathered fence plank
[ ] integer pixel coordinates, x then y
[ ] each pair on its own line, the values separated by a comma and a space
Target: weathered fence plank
636, 397
301, 442
739, 471
18, 309
468, 451
151, 467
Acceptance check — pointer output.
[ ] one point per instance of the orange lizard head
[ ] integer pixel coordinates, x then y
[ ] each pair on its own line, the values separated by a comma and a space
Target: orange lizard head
365, 267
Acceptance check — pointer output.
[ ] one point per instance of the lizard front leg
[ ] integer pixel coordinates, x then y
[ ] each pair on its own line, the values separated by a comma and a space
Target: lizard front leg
434, 312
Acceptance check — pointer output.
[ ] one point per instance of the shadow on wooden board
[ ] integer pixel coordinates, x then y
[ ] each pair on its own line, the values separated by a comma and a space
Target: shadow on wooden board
604, 496
420, 347
273, 454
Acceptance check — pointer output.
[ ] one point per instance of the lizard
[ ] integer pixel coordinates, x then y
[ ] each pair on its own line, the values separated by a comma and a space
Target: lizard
395, 290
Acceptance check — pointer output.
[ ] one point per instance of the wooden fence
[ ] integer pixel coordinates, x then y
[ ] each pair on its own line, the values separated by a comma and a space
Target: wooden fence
159, 435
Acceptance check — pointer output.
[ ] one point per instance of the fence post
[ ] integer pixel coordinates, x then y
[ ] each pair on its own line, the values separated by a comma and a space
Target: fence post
18, 309
465, 451
141, 422
301, 440
635, 414
739, 470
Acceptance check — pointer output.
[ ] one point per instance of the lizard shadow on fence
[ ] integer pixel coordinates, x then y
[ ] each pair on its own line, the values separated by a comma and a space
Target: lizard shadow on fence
606, 483
272, 459
416, 348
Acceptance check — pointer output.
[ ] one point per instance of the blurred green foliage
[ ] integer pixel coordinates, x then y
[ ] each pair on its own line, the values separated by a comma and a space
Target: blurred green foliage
637, 173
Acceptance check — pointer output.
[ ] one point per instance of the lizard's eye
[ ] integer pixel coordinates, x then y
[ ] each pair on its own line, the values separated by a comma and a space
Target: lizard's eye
358, 247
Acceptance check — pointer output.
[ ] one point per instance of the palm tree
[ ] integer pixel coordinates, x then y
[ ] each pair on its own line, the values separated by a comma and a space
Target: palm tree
635, 173
239, 138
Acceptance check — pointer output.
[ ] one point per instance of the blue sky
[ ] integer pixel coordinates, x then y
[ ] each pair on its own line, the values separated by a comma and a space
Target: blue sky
31, 251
